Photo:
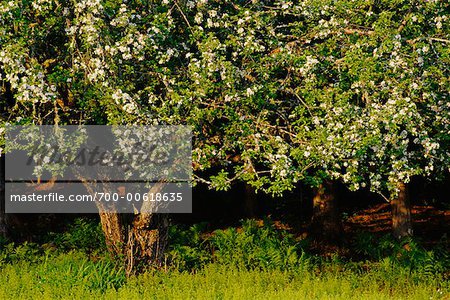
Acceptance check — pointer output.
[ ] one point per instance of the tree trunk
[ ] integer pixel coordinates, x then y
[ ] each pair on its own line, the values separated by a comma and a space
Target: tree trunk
401, 213
147, 242
147, 237
113, 230
326, 224
3, 220
111, 222
142, 241
250, 201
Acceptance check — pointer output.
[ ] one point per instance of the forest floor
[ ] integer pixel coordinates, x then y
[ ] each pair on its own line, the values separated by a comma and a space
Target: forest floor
431, 227
430, 224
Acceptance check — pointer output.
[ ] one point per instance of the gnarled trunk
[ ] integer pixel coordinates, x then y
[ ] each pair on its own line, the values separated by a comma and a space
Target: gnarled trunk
401, 213
114, 232
147, 237
142, 241
111, 222
147, 242
326, 224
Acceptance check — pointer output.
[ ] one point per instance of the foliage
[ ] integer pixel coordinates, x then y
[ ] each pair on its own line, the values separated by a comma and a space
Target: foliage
188, 248
250, 247
275, 91
83, 235
376, 81
62, 271
407, 253
26, 252
70, 276
232, 263
80, 271
262, 247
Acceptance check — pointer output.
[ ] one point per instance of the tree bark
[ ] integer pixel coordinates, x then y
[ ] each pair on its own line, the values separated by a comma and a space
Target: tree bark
3, 218
147, 243
326, 224
114, 232
401, 213
142, 241
147, 237
111, 222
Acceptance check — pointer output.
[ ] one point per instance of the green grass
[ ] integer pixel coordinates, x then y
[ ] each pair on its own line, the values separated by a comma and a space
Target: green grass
73, 276
251, 262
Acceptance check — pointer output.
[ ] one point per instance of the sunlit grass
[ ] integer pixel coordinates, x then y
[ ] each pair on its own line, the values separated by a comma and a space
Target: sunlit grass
73, 276
254, 262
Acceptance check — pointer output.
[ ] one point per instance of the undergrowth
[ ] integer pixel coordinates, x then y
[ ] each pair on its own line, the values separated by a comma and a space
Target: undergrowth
256, 258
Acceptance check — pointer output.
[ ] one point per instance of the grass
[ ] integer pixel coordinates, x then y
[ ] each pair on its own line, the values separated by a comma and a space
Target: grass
251, 262
72, 276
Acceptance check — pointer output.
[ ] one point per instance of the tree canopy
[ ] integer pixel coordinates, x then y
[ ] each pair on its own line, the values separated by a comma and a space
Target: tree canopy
276, 91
